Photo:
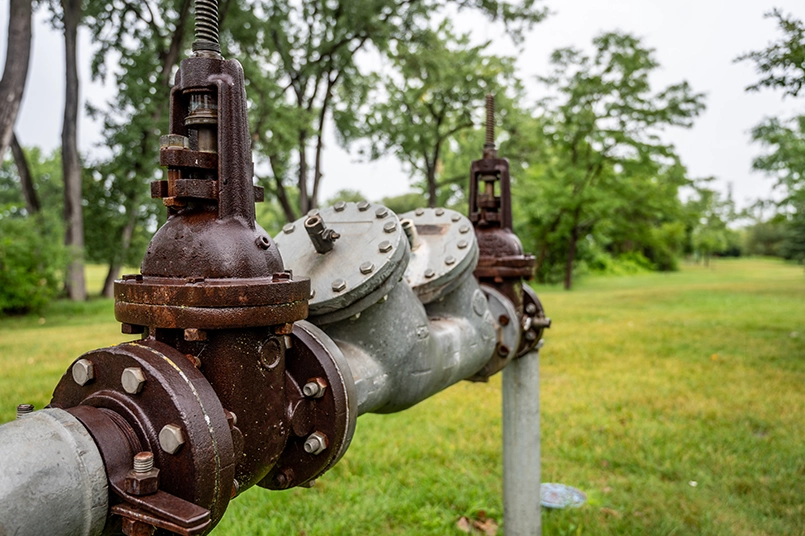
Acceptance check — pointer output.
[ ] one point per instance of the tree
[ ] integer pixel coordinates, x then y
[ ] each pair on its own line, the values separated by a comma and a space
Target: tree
435, 89
602, 136
782, 66
15, 72
300, 61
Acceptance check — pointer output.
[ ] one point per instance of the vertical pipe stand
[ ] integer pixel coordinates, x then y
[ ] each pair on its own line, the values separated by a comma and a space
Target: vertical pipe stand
522, 514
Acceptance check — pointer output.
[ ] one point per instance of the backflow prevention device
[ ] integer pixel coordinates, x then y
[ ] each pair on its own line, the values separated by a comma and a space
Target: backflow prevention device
257, 355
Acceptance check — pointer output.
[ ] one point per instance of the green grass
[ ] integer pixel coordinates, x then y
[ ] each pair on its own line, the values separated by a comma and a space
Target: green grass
649, 383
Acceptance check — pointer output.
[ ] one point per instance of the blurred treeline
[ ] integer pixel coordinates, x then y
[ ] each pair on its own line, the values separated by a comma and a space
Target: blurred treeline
596, 186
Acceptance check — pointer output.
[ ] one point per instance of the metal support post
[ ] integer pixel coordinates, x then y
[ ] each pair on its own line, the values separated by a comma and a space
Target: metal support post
521, 447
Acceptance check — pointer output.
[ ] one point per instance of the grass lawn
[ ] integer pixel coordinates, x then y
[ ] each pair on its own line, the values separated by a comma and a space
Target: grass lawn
675, 401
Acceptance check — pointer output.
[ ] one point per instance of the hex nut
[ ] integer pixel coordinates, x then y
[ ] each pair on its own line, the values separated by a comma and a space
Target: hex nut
439, 211
390, 227
450, 260
384, 246
171, 438
133, 380
419, 211
429, 273
363, 205
339, 285
462, 244
381, 212
139, 484
455, 217
464, 229
315, 443
288, 228
314, 388
83, 371
367, 267
341, 205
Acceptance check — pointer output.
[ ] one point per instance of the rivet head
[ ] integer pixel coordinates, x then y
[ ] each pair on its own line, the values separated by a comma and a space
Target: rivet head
133, 380
363, 205
384, 246
464, 229
382, 212
462, 244
439, 211
288, 228
83, 371
455, 217
171, 438
419, 211
449, 260
390, 227
315, 443
367, 267
341, 205
429, 273
339, 285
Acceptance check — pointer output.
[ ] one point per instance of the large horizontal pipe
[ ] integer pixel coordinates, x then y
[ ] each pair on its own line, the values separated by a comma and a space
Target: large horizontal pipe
52, 477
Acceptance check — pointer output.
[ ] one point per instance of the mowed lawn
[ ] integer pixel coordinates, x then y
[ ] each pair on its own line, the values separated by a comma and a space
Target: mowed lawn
675, 401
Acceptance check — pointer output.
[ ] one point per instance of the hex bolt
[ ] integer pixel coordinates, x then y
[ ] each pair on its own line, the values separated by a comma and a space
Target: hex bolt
83, 371
288, 228
171, 438
363, 205
450, 260
314, 388
143, 462
462, 244
384, 246
339, 285
133, 380
24, 409
530, 309
439, 211
390, 227
315, 443
382, 212
429, 273
367, 267
419, 211
464, 229
312, 212
455, 217
503, 320
341, 205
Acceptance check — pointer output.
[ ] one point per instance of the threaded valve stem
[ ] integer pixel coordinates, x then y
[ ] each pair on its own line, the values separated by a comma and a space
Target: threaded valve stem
207, 26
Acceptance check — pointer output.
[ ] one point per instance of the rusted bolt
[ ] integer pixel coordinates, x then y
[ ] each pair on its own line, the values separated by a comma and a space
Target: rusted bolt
382, 212
314, 388
341, 205
363, 205
315, 443
464, 229
171, 438
262, 242
503, 320
132, 527
144, 478
429, 273
367, 267
390, 227
384, 246
284, 478
462, 244
83, 371
133, 380
439, 211
195, 334
530, 309
450, 260
288, 228
339, 285
24, 409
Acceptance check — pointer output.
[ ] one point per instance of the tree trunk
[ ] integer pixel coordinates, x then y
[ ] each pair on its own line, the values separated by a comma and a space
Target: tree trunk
304, 202
26, 181
108, 290
71, 167
15, 72
571, 256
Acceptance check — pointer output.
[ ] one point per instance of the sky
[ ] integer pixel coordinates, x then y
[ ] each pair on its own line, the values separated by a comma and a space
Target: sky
694, 40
